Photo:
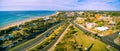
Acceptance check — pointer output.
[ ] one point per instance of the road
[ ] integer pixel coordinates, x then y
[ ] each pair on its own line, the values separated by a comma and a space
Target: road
54, 41
59, 39
36, 40
106, 39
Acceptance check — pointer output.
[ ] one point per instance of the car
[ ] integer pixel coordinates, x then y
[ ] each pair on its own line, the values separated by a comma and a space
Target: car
31, 37
24, 38
14, 42
47, 35
12, 45
20, 40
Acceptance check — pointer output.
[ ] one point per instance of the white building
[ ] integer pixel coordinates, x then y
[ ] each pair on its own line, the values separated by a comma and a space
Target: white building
103, 28
46, 18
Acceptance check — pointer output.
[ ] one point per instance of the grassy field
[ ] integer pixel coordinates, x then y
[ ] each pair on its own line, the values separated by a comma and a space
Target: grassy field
79, 41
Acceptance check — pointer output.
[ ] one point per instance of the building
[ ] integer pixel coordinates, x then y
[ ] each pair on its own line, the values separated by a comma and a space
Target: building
97, 16
80, 20
46, 19
70, 13
103, 28
105, 18
90, 25
111, 23
1, 38
80, 13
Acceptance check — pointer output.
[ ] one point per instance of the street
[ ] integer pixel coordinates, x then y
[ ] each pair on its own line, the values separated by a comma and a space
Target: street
54, 41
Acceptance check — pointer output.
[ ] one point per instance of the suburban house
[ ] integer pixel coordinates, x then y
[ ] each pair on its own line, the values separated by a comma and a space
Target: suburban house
105, 18
80, 20
103, 28
90, 25
111, 23
46, 18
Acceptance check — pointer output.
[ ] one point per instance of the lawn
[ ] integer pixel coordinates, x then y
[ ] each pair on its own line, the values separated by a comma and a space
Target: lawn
71, 42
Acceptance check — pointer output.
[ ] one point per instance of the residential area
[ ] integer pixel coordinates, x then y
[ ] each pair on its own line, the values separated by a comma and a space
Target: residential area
66, 31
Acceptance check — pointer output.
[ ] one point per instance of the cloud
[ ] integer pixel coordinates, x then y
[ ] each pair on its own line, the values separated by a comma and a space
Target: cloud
59, 5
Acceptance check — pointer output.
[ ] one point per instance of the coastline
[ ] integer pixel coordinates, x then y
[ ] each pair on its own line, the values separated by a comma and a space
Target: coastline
27, 20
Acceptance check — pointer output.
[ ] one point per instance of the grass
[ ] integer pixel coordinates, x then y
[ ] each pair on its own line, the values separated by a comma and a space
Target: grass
86, 41
71, 41
108, 32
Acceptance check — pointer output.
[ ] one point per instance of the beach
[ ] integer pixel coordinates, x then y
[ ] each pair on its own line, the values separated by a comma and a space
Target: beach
27, 20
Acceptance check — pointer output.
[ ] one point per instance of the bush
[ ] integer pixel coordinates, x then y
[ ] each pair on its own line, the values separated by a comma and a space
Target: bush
72, 28
73, 32
41, 47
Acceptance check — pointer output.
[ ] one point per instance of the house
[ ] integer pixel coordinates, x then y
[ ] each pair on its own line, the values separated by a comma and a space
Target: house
1, 38
17, 28
32, 24
80, 12
111, 23
97, 16
80, 20
103, 28
6, 36
46, 19
1, 41
10, 36
90, 25
105, 18
20, 26
70, 14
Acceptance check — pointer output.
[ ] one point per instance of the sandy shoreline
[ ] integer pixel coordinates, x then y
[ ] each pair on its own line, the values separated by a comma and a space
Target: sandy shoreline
27, 20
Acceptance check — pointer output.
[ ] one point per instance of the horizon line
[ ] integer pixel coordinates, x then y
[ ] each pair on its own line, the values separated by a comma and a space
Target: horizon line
59, 10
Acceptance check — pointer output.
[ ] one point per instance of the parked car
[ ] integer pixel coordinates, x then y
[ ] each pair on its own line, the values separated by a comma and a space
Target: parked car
20, 40
14, 42
12, 45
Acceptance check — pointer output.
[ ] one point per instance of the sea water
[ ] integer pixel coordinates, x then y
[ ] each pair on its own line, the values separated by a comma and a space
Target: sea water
9, 17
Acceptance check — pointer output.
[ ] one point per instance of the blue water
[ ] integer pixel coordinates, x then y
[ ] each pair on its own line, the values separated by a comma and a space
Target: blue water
8, 17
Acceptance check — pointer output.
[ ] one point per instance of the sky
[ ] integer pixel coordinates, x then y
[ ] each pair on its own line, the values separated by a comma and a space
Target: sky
59, 5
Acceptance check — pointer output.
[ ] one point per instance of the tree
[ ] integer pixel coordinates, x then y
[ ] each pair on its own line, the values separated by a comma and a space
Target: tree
16, 34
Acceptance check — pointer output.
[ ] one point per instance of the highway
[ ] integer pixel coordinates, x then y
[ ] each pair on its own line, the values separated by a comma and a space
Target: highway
59, 39
36, 40
106, 39
54, 41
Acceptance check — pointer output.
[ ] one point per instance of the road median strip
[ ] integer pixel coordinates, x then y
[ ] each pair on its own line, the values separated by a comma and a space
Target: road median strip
52, 37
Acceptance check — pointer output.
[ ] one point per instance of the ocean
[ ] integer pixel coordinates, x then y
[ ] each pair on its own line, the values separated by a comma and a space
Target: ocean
9, 17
